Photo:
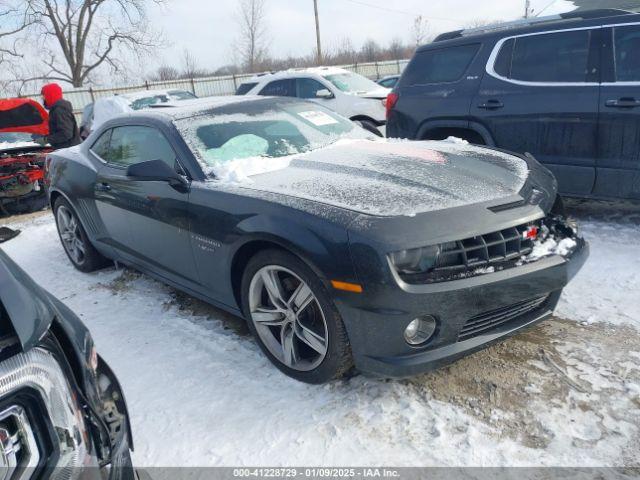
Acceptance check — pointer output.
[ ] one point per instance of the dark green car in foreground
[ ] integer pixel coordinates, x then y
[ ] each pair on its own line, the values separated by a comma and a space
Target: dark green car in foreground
339, 248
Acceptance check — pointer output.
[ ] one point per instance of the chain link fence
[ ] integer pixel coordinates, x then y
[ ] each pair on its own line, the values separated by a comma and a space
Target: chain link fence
211, 86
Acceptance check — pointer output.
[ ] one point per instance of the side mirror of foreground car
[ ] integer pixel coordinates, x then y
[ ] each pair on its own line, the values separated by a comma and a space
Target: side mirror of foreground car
156, 171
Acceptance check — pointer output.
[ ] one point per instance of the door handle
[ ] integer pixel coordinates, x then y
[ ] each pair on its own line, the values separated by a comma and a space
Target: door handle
491, 105
626, 102
103, 187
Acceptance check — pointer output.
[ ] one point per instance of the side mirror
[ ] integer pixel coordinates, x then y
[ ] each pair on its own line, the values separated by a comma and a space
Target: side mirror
324, 93
155, 170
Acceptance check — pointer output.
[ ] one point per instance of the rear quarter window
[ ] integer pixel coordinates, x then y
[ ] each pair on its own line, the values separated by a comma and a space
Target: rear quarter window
443, 65
245, 88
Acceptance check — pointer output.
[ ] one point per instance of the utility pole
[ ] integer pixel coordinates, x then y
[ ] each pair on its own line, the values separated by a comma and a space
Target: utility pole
527, 8
318, 46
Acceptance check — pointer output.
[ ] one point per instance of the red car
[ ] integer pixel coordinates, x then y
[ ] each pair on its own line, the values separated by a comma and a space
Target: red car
23, 124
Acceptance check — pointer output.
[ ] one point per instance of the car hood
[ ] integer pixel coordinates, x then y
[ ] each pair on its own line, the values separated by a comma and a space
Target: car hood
392, 178
27, 305
23, 115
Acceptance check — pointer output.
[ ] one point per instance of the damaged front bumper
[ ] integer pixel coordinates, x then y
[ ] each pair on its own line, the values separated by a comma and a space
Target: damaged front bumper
471, 311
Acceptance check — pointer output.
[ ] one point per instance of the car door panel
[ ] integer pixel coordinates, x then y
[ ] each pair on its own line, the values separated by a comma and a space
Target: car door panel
160, 220
147, 220
548, 110
109, 195
618, 163
113, 202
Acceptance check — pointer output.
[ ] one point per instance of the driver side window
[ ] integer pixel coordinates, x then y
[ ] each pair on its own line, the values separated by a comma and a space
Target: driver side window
137, 144
308, 87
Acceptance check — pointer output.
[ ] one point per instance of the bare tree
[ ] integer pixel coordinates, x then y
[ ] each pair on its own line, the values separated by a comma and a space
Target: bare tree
165, 73
481, 22
88, 34
190, 68
252, 43
370, 51
419, 30
13, 20
396, 49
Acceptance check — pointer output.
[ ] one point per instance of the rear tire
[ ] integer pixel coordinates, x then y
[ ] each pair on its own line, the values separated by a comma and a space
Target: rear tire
74, 239
293, 319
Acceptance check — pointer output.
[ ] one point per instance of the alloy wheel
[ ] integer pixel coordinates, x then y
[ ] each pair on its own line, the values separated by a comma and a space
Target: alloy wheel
288, 318
69, 229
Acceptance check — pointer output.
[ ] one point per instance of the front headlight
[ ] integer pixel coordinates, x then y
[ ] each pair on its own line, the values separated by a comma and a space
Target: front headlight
38, 371
415, 260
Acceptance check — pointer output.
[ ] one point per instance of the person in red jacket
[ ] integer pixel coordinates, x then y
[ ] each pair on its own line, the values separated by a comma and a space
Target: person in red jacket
63, 129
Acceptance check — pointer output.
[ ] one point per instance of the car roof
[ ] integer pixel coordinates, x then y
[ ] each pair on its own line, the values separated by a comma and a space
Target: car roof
199, 106
537, 24
148, 93
296, 72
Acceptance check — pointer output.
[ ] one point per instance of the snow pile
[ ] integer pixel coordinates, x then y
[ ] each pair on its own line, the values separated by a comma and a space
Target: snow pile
550, 246
242, 169
456, 140
107, 108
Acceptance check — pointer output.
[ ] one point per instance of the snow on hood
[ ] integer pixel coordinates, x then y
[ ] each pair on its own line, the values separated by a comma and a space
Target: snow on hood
389, 178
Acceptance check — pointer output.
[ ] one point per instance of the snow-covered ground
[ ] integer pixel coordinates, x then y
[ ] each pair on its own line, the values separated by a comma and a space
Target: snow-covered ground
7, 145
566, 392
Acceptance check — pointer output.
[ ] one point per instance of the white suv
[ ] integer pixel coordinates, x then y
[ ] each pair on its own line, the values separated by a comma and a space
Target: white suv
347, 93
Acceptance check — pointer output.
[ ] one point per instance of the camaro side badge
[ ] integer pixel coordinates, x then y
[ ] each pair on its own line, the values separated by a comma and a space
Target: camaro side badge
206, 244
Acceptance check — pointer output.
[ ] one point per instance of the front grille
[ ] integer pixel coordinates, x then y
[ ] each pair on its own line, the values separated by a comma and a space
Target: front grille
463, 258
490, 320
484, 250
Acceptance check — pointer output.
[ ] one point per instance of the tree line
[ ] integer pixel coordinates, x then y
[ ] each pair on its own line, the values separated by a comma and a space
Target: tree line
251, 52
79, 42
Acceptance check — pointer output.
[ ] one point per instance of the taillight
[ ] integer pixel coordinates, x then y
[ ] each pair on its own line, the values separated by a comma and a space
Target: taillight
392, 99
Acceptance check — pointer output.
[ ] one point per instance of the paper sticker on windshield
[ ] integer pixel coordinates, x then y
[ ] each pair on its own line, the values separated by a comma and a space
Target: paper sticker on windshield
318, 118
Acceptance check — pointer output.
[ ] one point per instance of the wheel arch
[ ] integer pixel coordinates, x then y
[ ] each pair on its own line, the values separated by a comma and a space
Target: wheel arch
251, 247
441, 129
366, 118
55, 195
85, 220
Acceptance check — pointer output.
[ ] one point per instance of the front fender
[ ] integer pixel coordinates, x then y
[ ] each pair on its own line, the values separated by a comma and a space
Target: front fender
323, 247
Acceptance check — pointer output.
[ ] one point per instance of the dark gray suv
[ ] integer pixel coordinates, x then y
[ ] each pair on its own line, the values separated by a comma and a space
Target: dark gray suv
564, 88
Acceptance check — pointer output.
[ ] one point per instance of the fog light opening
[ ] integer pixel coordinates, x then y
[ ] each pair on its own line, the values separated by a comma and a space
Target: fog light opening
420, 330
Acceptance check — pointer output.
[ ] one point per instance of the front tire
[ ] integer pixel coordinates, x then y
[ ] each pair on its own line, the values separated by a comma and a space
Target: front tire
74, 239
289, 312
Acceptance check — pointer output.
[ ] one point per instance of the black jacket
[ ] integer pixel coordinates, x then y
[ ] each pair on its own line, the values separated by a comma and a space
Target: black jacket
63, 129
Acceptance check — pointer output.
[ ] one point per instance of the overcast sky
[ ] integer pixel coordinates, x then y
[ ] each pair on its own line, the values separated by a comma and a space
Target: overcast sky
207, 28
